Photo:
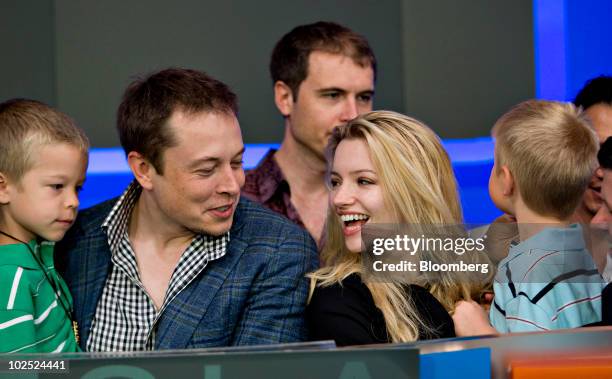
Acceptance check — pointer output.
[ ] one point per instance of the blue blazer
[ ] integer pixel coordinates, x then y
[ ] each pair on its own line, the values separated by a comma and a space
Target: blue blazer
255, 294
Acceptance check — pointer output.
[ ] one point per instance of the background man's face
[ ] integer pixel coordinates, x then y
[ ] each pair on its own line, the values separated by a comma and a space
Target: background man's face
603, 218
203, 173
601, 117
335, 91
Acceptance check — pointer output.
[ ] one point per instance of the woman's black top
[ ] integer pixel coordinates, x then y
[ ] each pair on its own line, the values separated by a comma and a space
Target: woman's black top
347, 314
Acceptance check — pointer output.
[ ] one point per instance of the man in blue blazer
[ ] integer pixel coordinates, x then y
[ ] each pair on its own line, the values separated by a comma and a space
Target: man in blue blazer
180, 260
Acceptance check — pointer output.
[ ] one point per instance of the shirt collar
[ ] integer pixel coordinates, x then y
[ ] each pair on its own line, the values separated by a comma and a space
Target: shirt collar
20, 254
116, 223
557, 239
273, 180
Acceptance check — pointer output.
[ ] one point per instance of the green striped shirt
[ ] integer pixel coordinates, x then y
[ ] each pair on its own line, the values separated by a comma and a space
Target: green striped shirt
32, 319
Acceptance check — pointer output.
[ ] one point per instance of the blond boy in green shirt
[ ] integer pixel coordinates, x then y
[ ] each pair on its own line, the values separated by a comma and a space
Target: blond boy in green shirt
43, 159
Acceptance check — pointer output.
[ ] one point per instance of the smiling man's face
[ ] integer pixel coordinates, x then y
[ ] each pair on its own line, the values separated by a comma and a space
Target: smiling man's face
202, 174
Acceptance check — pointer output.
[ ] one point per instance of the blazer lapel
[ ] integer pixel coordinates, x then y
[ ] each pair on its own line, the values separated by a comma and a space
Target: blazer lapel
183, 315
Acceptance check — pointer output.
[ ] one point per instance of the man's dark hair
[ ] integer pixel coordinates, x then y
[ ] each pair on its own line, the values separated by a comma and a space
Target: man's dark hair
289, 62
149, 102
595, 91
604, 156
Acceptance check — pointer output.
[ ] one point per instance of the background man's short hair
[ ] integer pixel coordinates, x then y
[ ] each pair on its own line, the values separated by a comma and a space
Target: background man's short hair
550, 149
289, 62
604, 156
149, 102
595, 91
27, 125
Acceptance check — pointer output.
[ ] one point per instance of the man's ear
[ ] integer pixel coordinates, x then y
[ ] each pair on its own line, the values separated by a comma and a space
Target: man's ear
4, 192
142, 169
507, 181
283, 98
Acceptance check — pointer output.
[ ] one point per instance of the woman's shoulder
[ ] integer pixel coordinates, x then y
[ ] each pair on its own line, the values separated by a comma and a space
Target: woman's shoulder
349, 289
345, 312
350, 297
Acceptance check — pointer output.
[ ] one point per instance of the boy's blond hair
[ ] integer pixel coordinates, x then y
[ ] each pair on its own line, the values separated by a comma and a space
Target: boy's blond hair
550, 149
25, 126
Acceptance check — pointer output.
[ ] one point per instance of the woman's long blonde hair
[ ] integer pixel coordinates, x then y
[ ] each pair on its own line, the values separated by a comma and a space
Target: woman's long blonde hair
419, 187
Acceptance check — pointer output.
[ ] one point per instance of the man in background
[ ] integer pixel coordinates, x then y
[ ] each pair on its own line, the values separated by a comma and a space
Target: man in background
595, 98
603, 219
324, 76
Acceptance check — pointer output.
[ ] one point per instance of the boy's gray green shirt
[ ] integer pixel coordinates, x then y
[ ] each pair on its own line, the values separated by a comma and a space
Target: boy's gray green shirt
32, 318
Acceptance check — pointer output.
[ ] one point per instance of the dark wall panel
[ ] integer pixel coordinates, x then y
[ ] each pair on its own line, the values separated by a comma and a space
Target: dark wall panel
466, 62
101, 45
27, 67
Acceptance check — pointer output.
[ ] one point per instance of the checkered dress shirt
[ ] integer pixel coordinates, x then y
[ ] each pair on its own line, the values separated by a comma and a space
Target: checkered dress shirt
126, 318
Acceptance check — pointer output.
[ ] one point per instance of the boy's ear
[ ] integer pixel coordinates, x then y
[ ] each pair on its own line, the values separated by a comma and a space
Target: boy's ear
142, 169
507, 181
4, 193
283, 98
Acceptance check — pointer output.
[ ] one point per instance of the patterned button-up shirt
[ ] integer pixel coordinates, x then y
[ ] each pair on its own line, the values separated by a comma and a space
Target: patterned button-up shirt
126, 318
267, 185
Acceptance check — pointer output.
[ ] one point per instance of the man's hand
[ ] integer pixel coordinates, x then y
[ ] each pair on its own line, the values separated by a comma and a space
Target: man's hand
486, 301
471, 320
500, 234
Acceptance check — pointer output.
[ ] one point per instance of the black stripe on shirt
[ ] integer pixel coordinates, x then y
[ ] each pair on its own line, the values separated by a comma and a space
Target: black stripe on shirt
551, 285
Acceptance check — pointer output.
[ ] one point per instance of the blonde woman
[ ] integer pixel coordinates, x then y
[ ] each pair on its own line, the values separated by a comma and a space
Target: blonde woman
383, 167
